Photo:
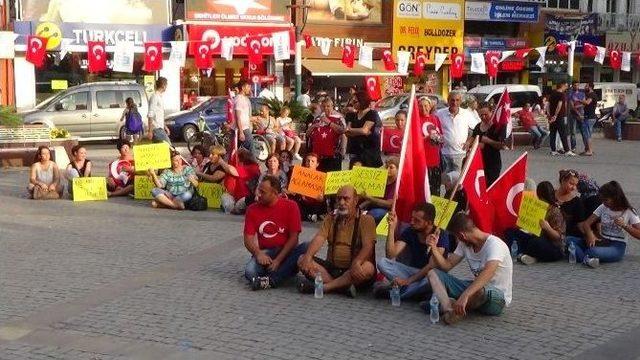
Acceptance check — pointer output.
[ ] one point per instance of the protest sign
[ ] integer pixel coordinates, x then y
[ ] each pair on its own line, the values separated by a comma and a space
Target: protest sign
372, 181
336, 180
89, 189
532, 210
442, 217
142, 187
152, 156
307, 182
383, 228
213, 193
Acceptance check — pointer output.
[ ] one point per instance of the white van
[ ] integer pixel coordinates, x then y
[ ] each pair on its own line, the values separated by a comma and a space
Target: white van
519, 94
608, 93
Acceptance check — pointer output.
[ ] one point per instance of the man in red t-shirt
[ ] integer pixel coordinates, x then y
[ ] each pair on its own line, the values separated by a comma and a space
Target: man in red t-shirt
432, 131
326, 137
271, 229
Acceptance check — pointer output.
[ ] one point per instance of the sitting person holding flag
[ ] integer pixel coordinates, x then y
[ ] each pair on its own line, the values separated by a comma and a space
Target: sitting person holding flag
121, 172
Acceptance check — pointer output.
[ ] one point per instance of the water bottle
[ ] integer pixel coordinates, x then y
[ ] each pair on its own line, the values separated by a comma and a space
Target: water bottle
395, 295
514, 249
434, 305
572, 253
319, 291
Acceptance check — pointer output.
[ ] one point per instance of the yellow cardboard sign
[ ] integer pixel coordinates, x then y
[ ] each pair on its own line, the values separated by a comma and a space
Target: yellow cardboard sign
442, 217
383, 227
213, 193
59, 84
152, 156
89, 189
532, 210
307, 182
149, 84
373, 181
142, 187
430, 26
336, 180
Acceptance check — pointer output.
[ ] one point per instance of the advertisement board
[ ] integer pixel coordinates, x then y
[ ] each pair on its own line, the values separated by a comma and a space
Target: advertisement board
500, 11
345, 12
582, 29
623, 41
216, 33
140, 12
237, 10
428, 26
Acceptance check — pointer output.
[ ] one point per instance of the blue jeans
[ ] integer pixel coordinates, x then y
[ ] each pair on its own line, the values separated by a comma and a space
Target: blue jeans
184, 197
571, 131
612, 253
288, 268
620, 122
248, 139
392, 269
377, 213
538, 134
159, 135
494, 301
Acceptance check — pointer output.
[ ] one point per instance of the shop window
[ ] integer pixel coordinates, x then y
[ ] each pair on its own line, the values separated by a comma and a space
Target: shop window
611, 6
73, 102
564, 4
626, 76
135, 95
107, 100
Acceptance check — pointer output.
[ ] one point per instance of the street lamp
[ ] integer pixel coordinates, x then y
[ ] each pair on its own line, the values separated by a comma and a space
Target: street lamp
300, 23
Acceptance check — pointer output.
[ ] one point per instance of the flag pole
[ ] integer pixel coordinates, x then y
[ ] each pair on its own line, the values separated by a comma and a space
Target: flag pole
403, 151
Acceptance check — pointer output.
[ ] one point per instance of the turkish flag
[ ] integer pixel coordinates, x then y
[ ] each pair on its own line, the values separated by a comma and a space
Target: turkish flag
307, 40
615, 59
474, 184
506, 195
254, 47
372, 83
418, 66
457, 65
492, 58
97, 56
391, 140
502, 115
589, 50
523, 53
413, 182
202, 56
153, 56
36, 50
349, 55
323, 139
387, 59
562, 49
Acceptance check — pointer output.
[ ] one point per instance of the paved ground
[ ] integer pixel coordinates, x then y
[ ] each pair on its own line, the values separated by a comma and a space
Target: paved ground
119, 280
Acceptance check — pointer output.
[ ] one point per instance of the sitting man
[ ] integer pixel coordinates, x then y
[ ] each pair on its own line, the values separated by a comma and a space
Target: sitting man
121, 172
410, 276
490, 262
351, 238
271, 230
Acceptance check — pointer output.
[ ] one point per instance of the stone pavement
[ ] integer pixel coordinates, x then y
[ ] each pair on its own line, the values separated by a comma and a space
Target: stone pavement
119, 280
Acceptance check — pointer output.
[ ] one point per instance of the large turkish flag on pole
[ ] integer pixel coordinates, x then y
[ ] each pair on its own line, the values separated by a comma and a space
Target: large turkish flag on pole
506, 195
474, 184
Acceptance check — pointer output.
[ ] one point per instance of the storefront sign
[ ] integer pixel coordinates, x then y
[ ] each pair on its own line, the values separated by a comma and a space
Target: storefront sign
583, 29
623, 41
239, 35
145, 12
345, 12
501, 11
433, 27
483, 44
236, 10
512, 65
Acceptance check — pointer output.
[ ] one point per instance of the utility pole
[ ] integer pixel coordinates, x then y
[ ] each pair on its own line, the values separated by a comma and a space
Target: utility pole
299, 14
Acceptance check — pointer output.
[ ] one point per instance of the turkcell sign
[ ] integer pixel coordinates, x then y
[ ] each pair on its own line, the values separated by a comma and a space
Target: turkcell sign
501, 11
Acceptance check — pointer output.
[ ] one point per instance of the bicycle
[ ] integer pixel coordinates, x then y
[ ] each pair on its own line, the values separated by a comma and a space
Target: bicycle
207, 137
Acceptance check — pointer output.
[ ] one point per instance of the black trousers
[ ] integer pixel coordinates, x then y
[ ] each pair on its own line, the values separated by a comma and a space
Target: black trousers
330, 164
559, 127
537, 246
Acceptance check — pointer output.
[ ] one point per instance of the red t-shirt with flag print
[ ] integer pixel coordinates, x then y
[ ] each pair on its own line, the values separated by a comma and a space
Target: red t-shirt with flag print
272, 224
325, 140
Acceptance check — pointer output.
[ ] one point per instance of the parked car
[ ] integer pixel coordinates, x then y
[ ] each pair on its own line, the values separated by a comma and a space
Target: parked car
89, 111
519, 94
608, 94
388, 106
184, 124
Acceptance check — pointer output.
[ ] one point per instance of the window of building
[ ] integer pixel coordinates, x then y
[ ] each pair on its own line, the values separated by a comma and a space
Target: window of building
611, 6
590, 6
563, 4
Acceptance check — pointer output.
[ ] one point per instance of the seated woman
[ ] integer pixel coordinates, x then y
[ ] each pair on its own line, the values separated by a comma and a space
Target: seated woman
286, 162
216, 169
239, 187
174, 186
310, 209
121, 172
549, 246
264, 124
273, 168
617, 219
44, 179
376, 207
292, 140
80, 166
199, 158
569, 201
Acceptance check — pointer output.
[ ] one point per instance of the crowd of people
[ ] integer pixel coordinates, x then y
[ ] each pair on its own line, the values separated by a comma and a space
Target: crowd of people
594, 223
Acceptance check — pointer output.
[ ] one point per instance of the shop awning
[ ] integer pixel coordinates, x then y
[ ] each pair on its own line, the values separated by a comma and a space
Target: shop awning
321, 67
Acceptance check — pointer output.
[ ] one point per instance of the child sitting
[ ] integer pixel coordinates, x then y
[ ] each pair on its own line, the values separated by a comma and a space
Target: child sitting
293, 141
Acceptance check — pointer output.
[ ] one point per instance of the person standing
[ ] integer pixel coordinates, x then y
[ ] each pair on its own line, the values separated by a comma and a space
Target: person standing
590, 104
576, 113
432, 132
326, 137
456, 124
158, 131
304, 99
558, 119
492, 140
243, 113
620, 115
363, 130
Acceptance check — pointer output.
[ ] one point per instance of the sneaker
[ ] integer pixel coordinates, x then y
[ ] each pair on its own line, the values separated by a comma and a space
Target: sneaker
528, 260
451, 318
305, 286
593, 263
619, 139
555, 153
569, 153
297, 157
260, 283
351, 292
381, 289
312, 218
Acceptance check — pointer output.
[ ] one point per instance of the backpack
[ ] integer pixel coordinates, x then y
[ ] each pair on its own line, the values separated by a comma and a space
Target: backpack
133, 122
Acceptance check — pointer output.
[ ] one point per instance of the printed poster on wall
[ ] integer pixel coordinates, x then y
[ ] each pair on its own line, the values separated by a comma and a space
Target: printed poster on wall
345, 12
583, 29
430, 26
237, 10
139, 12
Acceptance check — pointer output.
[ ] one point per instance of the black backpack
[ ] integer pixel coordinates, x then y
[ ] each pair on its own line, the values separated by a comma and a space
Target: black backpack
197, 202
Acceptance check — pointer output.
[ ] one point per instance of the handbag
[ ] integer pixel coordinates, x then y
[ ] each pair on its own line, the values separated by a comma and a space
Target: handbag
39, 194
197, 202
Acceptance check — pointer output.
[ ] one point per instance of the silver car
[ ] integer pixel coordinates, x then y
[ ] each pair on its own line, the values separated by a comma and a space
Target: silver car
89, 111
388, 106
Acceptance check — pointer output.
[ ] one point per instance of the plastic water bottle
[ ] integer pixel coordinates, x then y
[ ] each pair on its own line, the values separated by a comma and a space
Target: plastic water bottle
319, 290
434, 306
395, 295
572, 253
514, 249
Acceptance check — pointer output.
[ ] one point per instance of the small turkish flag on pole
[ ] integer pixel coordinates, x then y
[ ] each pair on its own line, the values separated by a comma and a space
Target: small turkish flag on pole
506, 195
502, 114
254, 48
153, 56
36, 50
387, 59
349, 55
418, 66
202, 56
97, 56
373, 87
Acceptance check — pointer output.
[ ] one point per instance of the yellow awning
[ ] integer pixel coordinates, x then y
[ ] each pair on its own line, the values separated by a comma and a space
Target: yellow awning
332, 67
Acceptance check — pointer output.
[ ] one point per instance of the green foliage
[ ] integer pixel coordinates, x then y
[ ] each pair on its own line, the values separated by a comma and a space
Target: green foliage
59, 133
299, 113
8, 117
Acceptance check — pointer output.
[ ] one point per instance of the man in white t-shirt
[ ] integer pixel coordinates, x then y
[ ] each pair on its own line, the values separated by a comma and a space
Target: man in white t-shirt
456, 123
304, 99
490, 263
158, 131
243, 115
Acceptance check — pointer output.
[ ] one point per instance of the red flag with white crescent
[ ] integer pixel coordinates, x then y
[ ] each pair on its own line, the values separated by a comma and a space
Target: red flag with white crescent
254, 47
391, 140
307, 40
502, 114
615, 59
372, 83
36, 50
589, 50
348, 55
492, 58
457, 65
474, 183
418, 66
202, 56
506, 195
387, 59
97, 56
153, 56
